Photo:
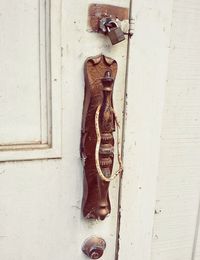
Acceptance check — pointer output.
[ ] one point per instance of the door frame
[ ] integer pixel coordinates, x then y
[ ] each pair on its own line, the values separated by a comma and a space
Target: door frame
146, 83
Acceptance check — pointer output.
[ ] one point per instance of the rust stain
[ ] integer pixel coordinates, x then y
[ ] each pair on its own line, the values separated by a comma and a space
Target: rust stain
98, 11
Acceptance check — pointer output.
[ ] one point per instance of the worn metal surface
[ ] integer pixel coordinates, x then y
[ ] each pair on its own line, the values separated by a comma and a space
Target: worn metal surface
94, 247
98, 11
100, 73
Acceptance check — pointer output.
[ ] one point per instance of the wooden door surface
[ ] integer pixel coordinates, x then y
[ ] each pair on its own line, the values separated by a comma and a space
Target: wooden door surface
43, 47
161, 183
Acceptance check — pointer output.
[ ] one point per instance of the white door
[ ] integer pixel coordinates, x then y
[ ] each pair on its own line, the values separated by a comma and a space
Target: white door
43, 47
161, 184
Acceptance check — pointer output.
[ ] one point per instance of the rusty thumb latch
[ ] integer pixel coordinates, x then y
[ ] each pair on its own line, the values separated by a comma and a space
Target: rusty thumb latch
97, 142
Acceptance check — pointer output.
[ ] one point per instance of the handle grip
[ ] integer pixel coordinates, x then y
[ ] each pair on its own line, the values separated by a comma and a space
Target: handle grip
97, 161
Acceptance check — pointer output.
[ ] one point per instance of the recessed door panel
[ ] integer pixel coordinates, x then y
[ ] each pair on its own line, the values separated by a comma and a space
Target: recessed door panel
20, 72
30, 106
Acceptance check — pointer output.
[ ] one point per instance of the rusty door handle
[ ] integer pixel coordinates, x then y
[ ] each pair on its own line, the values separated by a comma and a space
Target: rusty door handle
100, 149
97, 142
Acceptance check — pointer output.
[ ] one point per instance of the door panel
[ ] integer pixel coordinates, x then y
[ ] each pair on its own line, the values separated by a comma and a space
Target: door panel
30, 80
162, 135
40, 205
147, 75
19, 49
177, 200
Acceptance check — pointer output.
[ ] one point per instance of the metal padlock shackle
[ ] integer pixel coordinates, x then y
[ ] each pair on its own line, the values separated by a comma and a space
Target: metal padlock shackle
110, 23
112, 28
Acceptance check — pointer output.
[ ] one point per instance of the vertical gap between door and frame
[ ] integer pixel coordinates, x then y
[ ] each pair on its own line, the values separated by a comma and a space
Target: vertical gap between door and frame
123, 135
196, 234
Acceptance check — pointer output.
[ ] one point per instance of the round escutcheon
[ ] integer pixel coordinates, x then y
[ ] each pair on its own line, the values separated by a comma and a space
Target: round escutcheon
94, 247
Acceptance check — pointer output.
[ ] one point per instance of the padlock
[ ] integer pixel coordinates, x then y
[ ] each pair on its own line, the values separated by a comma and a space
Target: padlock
114, 32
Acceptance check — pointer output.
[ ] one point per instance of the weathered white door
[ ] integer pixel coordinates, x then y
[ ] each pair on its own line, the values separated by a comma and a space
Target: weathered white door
161, 184
43, 46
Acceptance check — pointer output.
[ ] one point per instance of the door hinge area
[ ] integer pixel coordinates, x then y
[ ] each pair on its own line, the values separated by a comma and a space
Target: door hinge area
131, 28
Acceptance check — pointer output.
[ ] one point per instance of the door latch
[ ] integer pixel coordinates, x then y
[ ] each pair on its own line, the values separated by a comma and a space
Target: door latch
112, 28
110, 20
99, 121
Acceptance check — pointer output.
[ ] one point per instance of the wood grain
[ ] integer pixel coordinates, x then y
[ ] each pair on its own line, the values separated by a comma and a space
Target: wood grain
177, 203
